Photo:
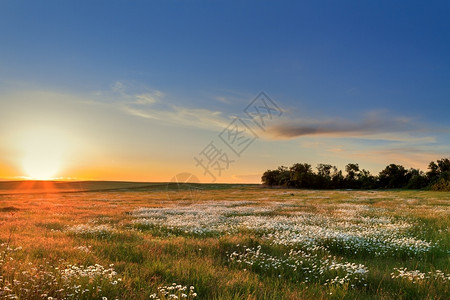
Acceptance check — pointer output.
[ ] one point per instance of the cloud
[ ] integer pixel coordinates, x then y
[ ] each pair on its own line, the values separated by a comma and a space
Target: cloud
372, 124
148, 98
223, 99
147, 103
193, 117
118, 87
131, 94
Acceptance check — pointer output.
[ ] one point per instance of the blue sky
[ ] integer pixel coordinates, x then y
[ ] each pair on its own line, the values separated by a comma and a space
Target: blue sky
358, 81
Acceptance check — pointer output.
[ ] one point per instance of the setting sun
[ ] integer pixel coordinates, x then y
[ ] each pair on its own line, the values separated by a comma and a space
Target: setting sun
41, 167
42, 157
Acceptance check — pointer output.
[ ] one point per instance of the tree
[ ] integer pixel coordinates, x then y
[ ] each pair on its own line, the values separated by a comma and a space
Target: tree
323, 178
366, 180
284, 176
270, 177
433, 173
416, 179
352, 171
441, 185
337, 180
324, 170
301, 175
352, 174
439, 170
393, 177
444, 165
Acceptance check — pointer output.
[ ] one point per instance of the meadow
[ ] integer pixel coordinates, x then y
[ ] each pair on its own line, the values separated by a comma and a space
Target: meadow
141, 241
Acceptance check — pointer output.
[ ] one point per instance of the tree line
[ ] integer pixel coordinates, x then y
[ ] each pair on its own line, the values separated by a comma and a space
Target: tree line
393, 176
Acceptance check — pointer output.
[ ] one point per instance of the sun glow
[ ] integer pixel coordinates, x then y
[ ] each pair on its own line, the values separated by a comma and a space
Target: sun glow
40, 165
42, 155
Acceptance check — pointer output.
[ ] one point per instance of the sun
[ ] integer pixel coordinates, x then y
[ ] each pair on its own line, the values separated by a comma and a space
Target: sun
42, 156
41, 166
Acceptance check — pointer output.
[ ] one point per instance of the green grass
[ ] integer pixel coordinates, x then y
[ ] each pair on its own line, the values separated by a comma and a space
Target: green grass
45, 234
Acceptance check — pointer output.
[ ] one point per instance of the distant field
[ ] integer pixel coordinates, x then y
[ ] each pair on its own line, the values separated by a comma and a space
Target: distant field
27, 187
123, 240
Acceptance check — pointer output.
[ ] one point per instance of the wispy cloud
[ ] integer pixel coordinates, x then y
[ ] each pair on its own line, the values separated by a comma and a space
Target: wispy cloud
223, 99
375, 124
193, 117
149, 98
118, 87
130, 93
152, 104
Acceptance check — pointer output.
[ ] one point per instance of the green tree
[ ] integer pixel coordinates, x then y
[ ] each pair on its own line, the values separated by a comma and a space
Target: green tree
366, 180
392, 177
270, 177
351, 179
337, 180
302, 175
416, 179
324, 174
284, 176
433, 171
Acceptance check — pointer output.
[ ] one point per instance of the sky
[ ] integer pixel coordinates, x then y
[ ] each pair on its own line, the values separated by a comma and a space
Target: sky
222, 90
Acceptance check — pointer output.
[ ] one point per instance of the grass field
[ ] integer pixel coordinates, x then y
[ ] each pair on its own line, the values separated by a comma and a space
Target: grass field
140, 241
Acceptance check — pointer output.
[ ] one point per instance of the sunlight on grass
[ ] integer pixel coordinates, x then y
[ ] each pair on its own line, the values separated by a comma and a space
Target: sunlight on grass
249, 243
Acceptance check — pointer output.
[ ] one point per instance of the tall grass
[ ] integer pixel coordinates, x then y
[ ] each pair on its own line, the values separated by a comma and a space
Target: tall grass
249, 243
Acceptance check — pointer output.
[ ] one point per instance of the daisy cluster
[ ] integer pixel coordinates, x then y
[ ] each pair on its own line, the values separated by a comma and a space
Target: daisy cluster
303, 266
90, 272
94, 276
19, 280
416, 276
349, 229
198, 218
85, 249
350, 236
174, 291
102, 230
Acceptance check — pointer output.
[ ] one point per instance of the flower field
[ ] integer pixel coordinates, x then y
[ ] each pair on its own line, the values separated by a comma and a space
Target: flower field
229, 242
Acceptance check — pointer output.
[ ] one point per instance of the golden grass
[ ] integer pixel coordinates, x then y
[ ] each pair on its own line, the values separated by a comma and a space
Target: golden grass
39, 224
